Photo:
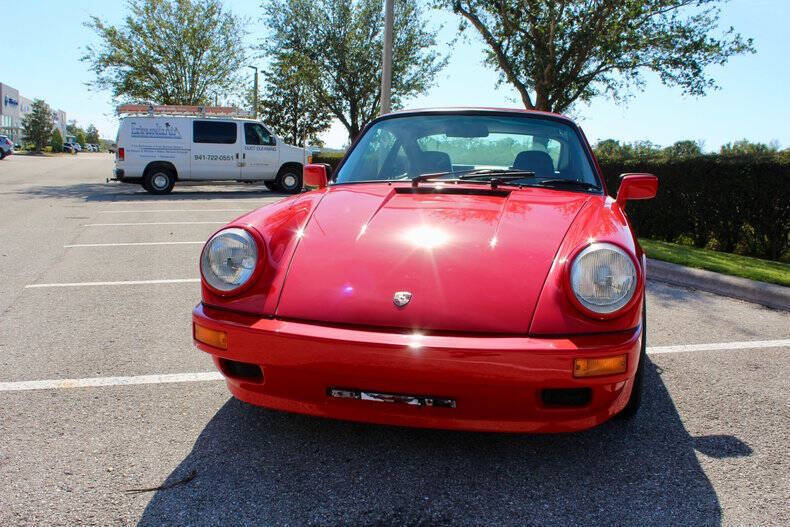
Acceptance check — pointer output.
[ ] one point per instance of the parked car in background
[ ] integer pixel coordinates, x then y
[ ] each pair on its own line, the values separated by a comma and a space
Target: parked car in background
465, 270
6, 146
71, 148
160, 145
112, 148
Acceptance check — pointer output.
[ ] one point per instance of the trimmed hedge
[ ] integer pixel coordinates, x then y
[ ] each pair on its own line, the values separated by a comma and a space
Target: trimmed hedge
729, 204
330, 159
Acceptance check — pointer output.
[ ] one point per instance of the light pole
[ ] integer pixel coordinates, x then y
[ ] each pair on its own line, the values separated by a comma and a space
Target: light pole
386, 59
255, 94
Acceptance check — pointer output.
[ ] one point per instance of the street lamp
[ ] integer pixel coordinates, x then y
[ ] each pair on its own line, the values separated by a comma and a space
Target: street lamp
255, 94
386, 59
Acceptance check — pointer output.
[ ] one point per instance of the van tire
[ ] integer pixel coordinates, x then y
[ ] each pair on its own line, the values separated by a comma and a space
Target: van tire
159, 180
289, 179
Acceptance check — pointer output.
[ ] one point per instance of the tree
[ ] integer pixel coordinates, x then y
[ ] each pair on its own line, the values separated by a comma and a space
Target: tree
168, 52
37, 125
79, 136
556, 53
92, 135
290, 108
56, 142
744, 147
335, 47
612, 149
685, 148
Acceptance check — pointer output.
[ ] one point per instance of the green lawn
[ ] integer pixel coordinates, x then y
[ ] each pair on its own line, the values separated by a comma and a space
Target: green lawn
727, 263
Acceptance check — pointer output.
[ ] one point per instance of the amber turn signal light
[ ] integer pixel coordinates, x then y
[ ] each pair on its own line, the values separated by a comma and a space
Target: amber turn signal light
212, 337
599, 366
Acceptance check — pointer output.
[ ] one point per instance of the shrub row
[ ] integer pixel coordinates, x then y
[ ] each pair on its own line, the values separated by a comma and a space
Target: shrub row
330, 159
729, 204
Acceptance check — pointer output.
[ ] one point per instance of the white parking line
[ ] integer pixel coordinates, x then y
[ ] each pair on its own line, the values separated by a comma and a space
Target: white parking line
130, 244
127, 282
169, 210
156, 223
52, 384
747, 344
89, 382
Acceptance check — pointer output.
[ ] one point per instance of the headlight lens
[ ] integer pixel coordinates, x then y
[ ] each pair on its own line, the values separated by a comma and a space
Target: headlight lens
603, 278
229, 259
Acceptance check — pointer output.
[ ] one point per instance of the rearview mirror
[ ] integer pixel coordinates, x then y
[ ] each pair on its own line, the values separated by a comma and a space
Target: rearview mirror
315, 175
636, 186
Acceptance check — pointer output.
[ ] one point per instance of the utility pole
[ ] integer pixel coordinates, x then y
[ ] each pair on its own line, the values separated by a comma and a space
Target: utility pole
255, 94
386, 58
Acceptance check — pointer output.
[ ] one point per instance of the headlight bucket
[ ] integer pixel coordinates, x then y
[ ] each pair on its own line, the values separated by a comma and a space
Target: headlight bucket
231, 260
602, 280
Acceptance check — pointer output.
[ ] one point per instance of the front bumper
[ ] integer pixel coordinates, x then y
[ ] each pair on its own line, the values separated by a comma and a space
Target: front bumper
495, 382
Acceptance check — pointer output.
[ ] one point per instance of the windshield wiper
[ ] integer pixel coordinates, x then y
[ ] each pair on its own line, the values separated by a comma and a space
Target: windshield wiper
558, 182
495, 176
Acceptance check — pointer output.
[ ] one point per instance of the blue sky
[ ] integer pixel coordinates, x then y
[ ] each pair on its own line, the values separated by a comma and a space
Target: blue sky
752, 102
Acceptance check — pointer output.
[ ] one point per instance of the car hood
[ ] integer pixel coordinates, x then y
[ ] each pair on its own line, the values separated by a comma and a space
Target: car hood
472, 259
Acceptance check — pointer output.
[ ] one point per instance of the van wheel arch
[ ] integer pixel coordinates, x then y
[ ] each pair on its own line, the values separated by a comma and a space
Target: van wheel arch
289, 178
159, 177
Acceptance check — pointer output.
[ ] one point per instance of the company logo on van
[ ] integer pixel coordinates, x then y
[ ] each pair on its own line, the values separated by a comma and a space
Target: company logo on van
155, 131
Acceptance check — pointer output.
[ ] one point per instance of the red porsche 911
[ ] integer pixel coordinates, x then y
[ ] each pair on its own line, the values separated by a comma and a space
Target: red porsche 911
460, 269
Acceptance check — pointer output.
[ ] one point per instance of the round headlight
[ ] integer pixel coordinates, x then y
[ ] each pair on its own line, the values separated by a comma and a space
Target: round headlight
603, 278
229, 259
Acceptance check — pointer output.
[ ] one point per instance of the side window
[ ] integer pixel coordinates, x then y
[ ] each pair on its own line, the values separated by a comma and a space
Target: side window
216, 132
255, 134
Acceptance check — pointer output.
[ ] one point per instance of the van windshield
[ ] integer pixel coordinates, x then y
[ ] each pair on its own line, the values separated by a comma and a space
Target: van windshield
405, 147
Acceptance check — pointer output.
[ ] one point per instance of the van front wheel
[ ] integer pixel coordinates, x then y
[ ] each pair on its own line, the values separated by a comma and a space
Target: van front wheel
159, 181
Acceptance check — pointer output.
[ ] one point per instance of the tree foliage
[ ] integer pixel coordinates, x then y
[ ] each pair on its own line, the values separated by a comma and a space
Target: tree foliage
290, 107
684, 148
336, 46
92, 135
556, 53
744, 147
56, 142
37, 125
612, 149
168, 51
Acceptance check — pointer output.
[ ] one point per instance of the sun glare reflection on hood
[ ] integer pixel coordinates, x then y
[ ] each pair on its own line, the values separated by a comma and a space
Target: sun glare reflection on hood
426, 237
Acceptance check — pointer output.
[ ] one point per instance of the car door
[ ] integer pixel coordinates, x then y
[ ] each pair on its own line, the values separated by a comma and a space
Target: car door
215, 150
260, 156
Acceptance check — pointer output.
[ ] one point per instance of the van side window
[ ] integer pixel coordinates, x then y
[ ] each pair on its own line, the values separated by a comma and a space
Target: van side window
217, 132
255, 134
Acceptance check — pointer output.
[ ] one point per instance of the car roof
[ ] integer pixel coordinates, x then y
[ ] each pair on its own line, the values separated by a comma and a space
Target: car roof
477, 110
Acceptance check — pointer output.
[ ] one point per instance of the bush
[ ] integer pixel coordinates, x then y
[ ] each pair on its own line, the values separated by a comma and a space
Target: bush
330, 159
57, 141
732, 204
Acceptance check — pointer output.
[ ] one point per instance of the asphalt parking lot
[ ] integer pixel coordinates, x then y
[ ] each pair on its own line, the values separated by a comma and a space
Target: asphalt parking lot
98, 282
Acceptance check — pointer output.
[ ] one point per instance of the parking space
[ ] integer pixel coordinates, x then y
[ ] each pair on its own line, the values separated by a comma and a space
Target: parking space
99, 281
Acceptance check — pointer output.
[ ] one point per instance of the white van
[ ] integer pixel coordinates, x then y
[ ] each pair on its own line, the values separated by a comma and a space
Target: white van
159, 146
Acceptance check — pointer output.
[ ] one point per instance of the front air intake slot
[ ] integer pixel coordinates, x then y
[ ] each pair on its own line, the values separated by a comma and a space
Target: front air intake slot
242, 371
566, 397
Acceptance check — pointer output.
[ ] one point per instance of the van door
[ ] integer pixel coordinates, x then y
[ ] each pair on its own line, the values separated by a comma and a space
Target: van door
260, 156
215, 150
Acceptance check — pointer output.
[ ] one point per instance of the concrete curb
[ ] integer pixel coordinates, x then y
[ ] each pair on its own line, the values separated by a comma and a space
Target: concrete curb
769, 295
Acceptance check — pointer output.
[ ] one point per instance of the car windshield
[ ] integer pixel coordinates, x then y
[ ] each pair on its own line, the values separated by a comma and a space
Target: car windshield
405, 147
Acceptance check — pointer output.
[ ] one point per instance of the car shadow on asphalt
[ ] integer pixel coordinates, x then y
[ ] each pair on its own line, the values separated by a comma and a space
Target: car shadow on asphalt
255, 466
101, 192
